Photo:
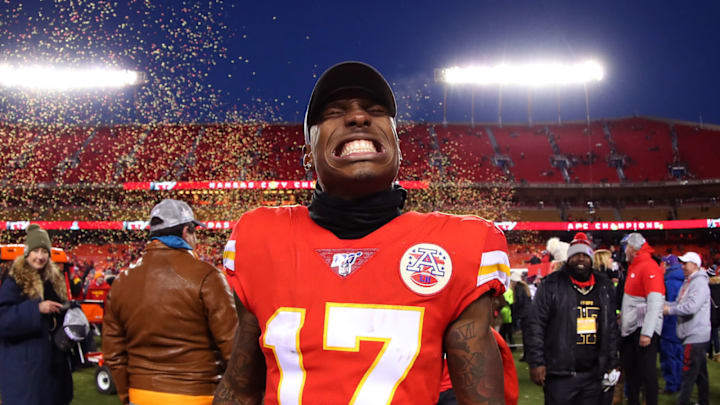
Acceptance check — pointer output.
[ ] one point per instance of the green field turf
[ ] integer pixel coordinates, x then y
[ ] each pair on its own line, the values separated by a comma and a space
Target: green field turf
530, 394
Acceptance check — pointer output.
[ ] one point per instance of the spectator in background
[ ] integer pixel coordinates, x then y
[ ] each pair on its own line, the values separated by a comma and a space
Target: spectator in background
671, 355
571, 338
714, 312
169, 322
618, 254
558, 250
33, 370
506, 314
76, 288
521, 303
641, 320
602, 261
534, 259
693, 310
535, 282
98, 289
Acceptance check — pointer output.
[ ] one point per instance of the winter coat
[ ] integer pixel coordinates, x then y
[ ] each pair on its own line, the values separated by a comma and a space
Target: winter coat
693, 309
551, 328
644, 295
715, 303
176, 339
33, 371
521, 301
674, 278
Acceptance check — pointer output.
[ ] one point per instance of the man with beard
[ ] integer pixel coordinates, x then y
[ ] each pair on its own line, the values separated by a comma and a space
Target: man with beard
350, 299
641, 320
573, 308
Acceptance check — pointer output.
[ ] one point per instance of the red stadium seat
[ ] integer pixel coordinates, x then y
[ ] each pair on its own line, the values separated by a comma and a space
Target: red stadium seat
648, 145
273, 151
698, 149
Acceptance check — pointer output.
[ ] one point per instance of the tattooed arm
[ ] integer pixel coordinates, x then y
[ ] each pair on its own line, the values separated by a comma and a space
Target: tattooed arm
473, 357
244, 379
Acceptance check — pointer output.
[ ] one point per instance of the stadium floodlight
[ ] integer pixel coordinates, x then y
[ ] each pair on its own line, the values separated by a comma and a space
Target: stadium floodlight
530, 74
48, 78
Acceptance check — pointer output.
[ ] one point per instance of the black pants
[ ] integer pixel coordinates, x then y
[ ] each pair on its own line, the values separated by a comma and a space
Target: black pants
447, 397
640, 368
694, 371
715, 340
506, 331
583, 388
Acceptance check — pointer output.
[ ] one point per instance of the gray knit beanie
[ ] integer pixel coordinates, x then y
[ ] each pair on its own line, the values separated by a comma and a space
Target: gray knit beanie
36, 238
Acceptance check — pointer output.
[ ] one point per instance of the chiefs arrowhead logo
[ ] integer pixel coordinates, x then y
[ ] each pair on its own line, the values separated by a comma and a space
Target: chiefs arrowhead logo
344, 262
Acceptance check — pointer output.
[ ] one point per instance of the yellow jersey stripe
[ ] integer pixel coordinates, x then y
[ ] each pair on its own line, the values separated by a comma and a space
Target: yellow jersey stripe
494, 265
229, 256
500, 267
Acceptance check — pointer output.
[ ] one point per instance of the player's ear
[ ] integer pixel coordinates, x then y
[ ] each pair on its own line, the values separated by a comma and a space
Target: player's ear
307, 158
393, 126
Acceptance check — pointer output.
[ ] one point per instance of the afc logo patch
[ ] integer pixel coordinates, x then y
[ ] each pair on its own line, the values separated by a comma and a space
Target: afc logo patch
425, 268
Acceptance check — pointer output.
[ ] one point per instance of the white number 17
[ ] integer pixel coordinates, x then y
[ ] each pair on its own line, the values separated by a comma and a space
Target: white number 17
399, 327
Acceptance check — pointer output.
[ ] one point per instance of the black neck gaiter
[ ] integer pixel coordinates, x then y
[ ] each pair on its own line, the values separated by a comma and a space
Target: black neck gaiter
354, 219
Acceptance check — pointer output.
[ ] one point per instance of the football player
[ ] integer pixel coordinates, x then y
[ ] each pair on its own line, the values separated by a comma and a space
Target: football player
350, 300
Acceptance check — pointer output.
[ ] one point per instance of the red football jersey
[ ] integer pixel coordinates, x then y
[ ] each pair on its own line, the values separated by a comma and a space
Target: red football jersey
359, 321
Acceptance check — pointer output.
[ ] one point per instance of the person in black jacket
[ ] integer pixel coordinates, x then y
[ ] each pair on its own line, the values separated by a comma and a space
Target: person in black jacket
571, 334
714, 282
521, 303
33, 369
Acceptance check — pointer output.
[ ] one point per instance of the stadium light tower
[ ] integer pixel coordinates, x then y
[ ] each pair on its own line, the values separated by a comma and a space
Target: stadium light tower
49, 78
529, 75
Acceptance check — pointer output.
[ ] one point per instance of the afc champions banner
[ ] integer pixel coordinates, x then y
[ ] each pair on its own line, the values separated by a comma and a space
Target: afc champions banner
506, 226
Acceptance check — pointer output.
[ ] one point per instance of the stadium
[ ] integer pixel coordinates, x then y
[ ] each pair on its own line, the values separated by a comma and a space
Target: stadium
197, 119
614, 175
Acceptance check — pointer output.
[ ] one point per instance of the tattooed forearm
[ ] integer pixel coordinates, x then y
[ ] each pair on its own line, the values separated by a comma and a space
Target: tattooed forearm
244, 379
473, 358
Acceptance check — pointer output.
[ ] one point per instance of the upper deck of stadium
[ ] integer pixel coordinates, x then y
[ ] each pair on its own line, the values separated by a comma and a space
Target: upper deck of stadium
613, 151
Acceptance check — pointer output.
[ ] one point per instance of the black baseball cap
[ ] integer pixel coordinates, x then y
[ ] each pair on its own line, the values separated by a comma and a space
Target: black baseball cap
345, 76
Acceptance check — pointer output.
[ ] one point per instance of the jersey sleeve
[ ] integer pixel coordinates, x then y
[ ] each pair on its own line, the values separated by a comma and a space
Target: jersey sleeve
494, 271
229, 265
492, 274
512, 388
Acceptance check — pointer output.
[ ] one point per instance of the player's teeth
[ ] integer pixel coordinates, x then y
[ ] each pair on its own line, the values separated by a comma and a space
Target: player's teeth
359, 146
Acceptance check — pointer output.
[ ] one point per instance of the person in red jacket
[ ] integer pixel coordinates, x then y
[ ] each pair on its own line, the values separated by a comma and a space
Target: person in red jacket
512, 389
641, 319
98, 288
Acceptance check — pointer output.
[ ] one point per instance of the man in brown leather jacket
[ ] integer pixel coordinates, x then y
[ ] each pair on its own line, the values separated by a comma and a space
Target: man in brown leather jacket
169, 321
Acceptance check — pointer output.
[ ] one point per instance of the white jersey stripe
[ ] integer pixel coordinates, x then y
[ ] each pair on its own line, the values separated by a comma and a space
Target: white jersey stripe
229, 256
494, 265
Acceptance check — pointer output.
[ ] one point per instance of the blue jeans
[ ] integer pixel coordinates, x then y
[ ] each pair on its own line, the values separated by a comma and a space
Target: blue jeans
671, 362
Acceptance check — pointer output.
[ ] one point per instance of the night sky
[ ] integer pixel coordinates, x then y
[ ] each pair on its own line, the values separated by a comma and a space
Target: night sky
227, 61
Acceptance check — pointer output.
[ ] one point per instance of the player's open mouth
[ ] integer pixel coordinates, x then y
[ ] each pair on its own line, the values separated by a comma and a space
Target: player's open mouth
357, 148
